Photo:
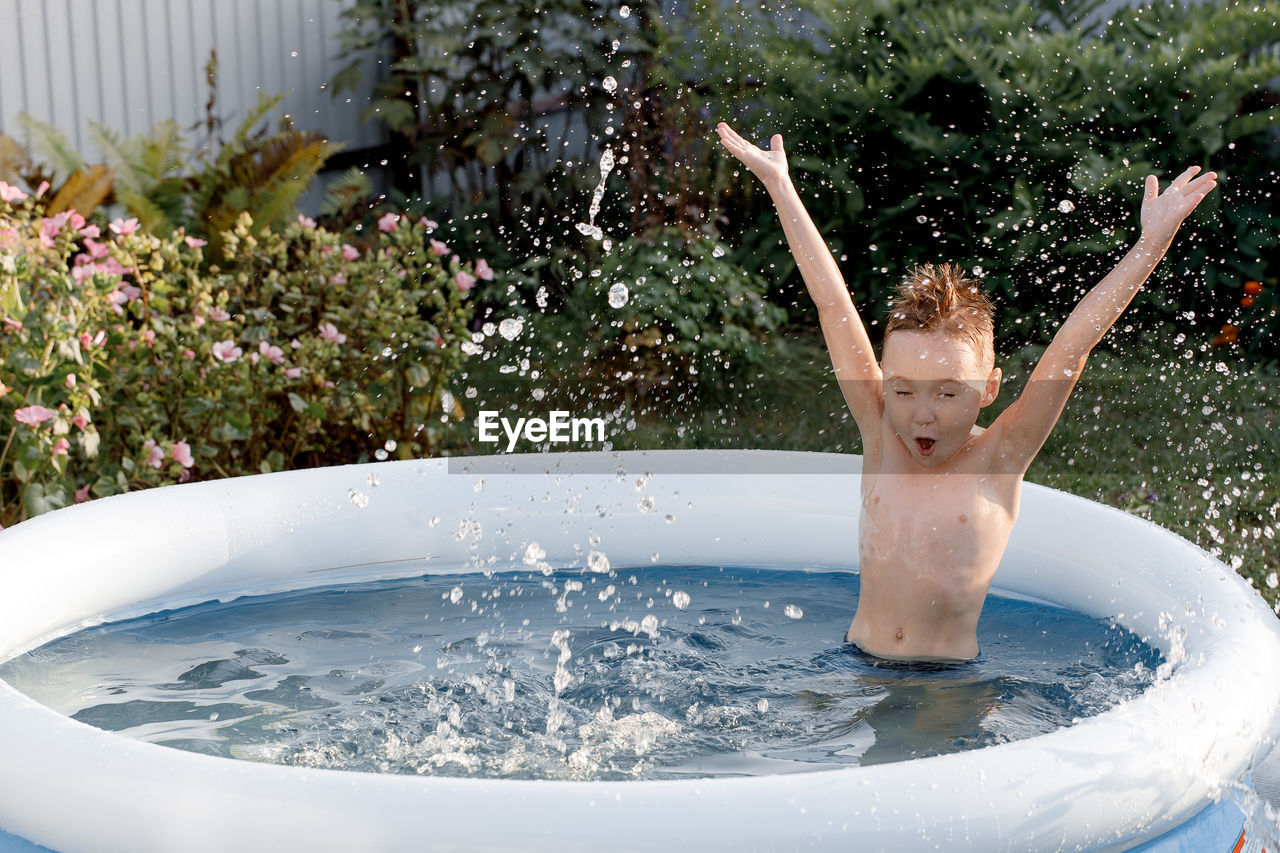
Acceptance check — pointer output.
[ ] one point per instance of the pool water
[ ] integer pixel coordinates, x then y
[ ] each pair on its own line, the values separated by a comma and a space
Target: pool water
654, 673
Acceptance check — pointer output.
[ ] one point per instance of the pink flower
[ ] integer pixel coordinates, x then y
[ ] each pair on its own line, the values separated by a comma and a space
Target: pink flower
33, 415
181, 453
337, 279
40, 190
188, 353
439, 248
387, 222
195, 242
253, 357
149, 337
483, 270
293, 372
61, 447
428, 224
81, 420
295, 343
306, 221
96, 250
350, 252
465, 280
11, 193
125, 227
12, 325
82, 494
9, 238
197, 320
273, 354
75, 220
91, 231
330, 333
439, 341
155, 456
226, 351
326, 250
71, 380
219, 315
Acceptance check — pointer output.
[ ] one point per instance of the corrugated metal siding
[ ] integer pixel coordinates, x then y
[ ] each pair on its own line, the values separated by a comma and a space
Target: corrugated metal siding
128, 64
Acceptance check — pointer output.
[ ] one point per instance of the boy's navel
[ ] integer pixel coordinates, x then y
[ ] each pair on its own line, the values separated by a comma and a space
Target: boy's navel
899, 634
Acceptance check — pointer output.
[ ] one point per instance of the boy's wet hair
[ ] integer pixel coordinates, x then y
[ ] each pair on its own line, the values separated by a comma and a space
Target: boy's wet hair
943, 298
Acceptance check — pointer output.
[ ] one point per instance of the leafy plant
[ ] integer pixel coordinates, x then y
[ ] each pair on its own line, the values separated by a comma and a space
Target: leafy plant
129, 359
1014, 138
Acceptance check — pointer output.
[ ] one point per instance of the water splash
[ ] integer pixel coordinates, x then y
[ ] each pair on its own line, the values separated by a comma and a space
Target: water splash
589, 227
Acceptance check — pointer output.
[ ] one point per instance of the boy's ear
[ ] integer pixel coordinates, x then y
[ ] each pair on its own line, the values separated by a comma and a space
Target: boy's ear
992, 388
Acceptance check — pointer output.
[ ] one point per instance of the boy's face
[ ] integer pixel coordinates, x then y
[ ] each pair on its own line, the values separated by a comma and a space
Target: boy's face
934, 386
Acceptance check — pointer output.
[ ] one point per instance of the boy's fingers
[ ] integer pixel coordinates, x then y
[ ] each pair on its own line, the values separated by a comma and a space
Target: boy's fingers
1153, 186
775, 143
1181, 180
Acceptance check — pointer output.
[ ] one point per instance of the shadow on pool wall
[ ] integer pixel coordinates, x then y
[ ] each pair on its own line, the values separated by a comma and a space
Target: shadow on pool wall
1109, 782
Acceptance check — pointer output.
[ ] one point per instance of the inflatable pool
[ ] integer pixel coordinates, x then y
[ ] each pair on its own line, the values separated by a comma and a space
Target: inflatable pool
1144, 775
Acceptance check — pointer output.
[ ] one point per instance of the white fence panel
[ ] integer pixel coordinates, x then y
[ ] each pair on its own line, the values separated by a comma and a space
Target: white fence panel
128, 64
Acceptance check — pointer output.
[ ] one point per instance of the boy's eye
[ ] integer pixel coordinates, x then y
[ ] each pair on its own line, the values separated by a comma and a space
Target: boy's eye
947, 395
903, 393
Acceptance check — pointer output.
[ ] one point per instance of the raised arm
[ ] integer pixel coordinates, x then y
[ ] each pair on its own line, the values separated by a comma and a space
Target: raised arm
847, 342
1026, 424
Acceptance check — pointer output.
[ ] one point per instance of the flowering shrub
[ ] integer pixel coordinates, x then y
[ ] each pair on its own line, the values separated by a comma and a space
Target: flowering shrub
127, 360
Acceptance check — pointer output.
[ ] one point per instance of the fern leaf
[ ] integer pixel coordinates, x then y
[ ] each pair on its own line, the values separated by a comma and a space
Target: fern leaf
54, 145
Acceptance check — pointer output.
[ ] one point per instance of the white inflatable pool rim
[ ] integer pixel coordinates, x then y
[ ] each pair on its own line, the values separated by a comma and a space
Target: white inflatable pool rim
1107, 782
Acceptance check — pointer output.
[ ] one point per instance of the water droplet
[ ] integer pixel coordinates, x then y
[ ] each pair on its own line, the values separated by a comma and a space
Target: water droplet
598, 562
391, 445
373, 480
359, 499
610, 84
618, 295
793, 611
762, 706
380, 455
455, 595
646, 504
922, 219
511, 328
718, 251
680, 599
1065, 206
534, 554
624, 11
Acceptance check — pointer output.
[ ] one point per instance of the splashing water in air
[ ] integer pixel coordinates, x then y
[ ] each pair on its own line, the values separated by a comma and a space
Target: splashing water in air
589, 227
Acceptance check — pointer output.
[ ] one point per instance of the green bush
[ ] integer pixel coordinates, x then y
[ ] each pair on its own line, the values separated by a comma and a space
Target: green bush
127, 360
657, 317
1014, 137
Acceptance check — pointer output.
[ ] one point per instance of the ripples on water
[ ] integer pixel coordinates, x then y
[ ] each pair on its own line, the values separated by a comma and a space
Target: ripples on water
655, 673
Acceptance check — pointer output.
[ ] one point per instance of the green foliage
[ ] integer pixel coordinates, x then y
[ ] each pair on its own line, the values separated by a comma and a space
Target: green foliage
457, 82
686, 313
131, 360
1014, 138
152, 176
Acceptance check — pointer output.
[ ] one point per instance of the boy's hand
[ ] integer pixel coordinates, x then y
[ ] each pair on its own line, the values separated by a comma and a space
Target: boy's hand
768, 165
1162, 214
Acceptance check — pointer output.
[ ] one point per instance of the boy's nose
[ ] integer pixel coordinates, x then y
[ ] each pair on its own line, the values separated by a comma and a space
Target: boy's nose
923, 415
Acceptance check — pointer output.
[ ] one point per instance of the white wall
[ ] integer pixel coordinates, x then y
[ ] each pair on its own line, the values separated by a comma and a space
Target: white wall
130, 63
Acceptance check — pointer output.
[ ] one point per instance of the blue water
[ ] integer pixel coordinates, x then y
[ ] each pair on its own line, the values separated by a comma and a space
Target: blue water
660, 672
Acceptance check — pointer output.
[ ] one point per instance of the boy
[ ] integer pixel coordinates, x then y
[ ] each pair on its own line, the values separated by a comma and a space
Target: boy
939, 494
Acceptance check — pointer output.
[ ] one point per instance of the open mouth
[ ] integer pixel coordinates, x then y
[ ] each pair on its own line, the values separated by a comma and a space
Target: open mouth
925, 445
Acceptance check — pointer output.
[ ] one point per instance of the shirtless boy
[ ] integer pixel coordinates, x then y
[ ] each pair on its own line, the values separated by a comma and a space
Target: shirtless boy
939, 494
